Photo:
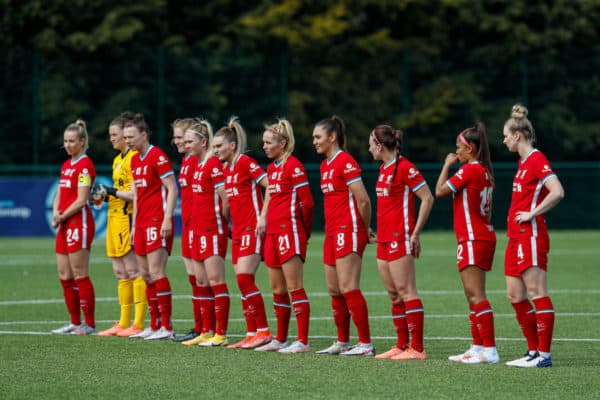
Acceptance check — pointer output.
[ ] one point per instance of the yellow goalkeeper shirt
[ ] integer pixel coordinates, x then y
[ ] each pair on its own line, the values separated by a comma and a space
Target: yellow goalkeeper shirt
122, 180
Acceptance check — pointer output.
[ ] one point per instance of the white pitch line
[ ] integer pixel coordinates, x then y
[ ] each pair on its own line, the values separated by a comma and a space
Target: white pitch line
313, 294
435, 338
312, 318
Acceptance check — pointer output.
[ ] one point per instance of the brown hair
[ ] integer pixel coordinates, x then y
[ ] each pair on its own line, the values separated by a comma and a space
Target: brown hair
391, 139
122, 119
139, 122
477, 136
334, 124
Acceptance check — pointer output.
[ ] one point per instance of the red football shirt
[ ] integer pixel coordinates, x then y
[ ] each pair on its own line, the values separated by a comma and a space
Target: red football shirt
285, 210
74, 174
188, 163
396, 199
341, 211
244, 193
471, 201
207, 208
528, 191
151, 195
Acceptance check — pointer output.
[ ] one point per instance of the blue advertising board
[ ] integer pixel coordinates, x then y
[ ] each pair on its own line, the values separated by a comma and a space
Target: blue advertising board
26, 207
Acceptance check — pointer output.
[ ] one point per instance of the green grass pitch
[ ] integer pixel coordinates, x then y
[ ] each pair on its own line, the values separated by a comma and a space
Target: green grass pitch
34, 364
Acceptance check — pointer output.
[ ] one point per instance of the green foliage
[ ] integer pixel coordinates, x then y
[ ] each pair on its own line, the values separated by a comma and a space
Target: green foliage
431, 68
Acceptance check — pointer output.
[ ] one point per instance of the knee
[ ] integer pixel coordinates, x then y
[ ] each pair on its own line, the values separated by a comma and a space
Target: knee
278, 287
515, 297
536, 293
394, 295
334, 291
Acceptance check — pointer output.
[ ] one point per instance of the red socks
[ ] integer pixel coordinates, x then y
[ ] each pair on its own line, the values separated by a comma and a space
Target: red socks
255, 304
87, 299
544, 314
485, 323
163, 296
400, 325
196, 304
283, 310
527, 322
221, 293
341, 317
473, 325
302, 311
71, 295
415, 318
152, 305
207, 308
357, 307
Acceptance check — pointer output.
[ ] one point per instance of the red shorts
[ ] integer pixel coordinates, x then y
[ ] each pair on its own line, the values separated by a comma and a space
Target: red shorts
340, 244
475, 252
244, 245
394, 250
75, 233
524, 252
207, 245
148, 239
187, 237
280, 247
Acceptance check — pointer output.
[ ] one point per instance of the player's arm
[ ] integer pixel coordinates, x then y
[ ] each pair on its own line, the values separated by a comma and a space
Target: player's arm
362, 201
556, 193
55, 211
307, 208
426, 199
441, 188
224, 200
261, 224
126, 195
83, 193
134, 200
166, 228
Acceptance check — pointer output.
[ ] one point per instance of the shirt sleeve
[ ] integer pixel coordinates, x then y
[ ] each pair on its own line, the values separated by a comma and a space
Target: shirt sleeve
351, 171
542, 168
163, 165
459, 180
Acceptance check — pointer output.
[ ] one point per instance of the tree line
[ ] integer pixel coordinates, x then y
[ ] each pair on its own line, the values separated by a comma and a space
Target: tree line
431, 68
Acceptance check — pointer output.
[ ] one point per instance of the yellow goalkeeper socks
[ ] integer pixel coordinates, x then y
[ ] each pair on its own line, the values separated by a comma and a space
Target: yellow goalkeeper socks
140, 301
125, 293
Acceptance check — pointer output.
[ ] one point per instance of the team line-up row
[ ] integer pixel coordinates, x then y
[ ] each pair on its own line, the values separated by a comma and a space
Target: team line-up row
222, 197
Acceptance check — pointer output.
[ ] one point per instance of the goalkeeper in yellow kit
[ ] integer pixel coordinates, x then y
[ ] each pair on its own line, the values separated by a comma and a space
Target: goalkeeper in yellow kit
131, 287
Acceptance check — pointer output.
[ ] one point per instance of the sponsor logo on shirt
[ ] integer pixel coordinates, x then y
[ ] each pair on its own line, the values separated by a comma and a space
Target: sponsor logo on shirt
412, 173
349, 168
297, 172
162, 160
